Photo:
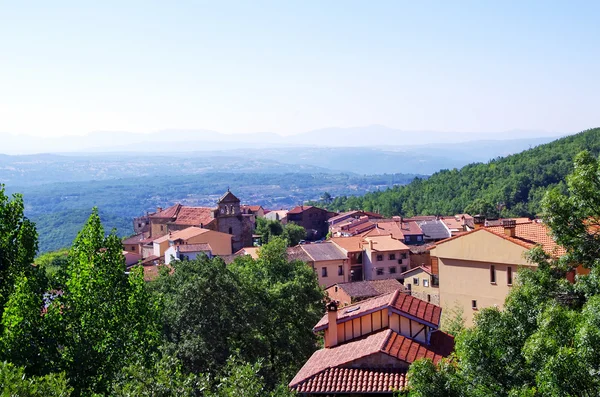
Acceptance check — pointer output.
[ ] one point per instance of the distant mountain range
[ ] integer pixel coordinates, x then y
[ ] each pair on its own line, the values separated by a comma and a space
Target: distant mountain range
175, 141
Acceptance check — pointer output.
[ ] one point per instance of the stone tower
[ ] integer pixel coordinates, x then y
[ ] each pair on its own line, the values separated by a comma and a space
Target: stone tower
230, 220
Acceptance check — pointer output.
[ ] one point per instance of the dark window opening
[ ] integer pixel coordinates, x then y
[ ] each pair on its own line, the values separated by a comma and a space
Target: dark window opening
509, 276
492, 274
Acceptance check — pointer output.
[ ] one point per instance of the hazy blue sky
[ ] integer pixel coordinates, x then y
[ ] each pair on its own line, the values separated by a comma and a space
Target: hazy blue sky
291, 66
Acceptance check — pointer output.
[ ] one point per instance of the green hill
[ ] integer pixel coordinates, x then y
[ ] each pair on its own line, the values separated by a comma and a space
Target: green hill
506, 186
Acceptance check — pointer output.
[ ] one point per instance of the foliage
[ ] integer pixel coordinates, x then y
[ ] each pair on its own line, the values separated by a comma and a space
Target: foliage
53, 261
291, 232
257, 309
14, 382
105, 318
509, 186
18, 245
453, 321
545, 340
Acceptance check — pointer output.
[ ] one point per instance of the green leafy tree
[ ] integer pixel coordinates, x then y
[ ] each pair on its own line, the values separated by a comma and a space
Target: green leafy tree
18, 245
291, 303
14, 382
545, 340
268, 228
293, 234
106, 318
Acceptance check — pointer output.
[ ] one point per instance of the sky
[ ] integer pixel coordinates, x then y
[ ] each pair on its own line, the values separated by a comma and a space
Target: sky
73, 67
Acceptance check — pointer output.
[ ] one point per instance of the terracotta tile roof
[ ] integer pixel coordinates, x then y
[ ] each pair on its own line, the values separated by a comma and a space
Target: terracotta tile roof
194, 247
531, 234
137, 239
417, 308
300, 209
229, 197
498, 222
342, 354
131, 258
421, 218
399, 302
343, 216
252, 208
364, 307
325, 251
194, 216
362, 289
297, 253
167, 213
354, 380
383, 342
184, 234
386, 243
348, 244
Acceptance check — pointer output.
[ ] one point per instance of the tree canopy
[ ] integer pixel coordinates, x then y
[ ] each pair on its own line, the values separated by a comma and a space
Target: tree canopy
545, 340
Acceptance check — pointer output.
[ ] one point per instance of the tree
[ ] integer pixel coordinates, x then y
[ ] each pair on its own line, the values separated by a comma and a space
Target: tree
545, 340
291, 303
14, 382
268, 228
106, 318
293, 234
18, 245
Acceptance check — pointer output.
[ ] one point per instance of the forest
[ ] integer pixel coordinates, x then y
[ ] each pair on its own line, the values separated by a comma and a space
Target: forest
505, 186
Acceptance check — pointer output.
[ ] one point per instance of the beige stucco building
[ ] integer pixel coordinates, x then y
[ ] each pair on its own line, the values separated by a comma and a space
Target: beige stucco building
220, 243
420, 283
477, 269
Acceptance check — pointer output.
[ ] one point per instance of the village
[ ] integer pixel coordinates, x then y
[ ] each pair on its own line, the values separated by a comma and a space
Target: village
387, 280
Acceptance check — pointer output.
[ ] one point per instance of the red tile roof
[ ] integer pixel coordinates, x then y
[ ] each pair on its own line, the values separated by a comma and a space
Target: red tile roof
354, 380
311, 376
167, 213
194, 247
194, 216
532, 234
300, 209
397, 301
348, 244
417, 308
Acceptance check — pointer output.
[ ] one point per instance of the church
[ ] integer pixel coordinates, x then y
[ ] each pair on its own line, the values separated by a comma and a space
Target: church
226, 217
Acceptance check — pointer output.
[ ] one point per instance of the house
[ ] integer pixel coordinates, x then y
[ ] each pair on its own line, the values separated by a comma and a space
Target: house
408, 232
312, 219
348, 217
135, 243
421, 283
220, 243
434, 230
257, 210
279, 215
353, 248
370, 345
187, 252
227, 217
348, 293
329, 262
132, 258
477, 269
384, 257
353, 227
250, 251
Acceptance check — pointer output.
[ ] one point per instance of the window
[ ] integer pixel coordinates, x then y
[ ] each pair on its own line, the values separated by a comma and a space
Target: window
492, 274
340, 270
403, 269
132, 248
474, 304
509, 275
428, 298
419, 238
407, 239
393, 270
435, 280
380, 271
336, 288
162, 228
415, 280
379, 258
403, 256
324, 271
425, 282
139, 225
230, 230
392, 257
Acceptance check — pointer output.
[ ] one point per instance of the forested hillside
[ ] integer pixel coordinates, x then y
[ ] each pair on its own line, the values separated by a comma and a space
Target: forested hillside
507, 186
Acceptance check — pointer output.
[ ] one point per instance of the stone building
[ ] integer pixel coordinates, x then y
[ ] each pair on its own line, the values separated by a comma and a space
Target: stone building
226, 217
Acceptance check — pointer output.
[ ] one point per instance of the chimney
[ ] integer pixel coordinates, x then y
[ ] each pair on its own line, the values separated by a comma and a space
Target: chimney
370, 245
158, 209
510, 226
331, 336
478, 221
